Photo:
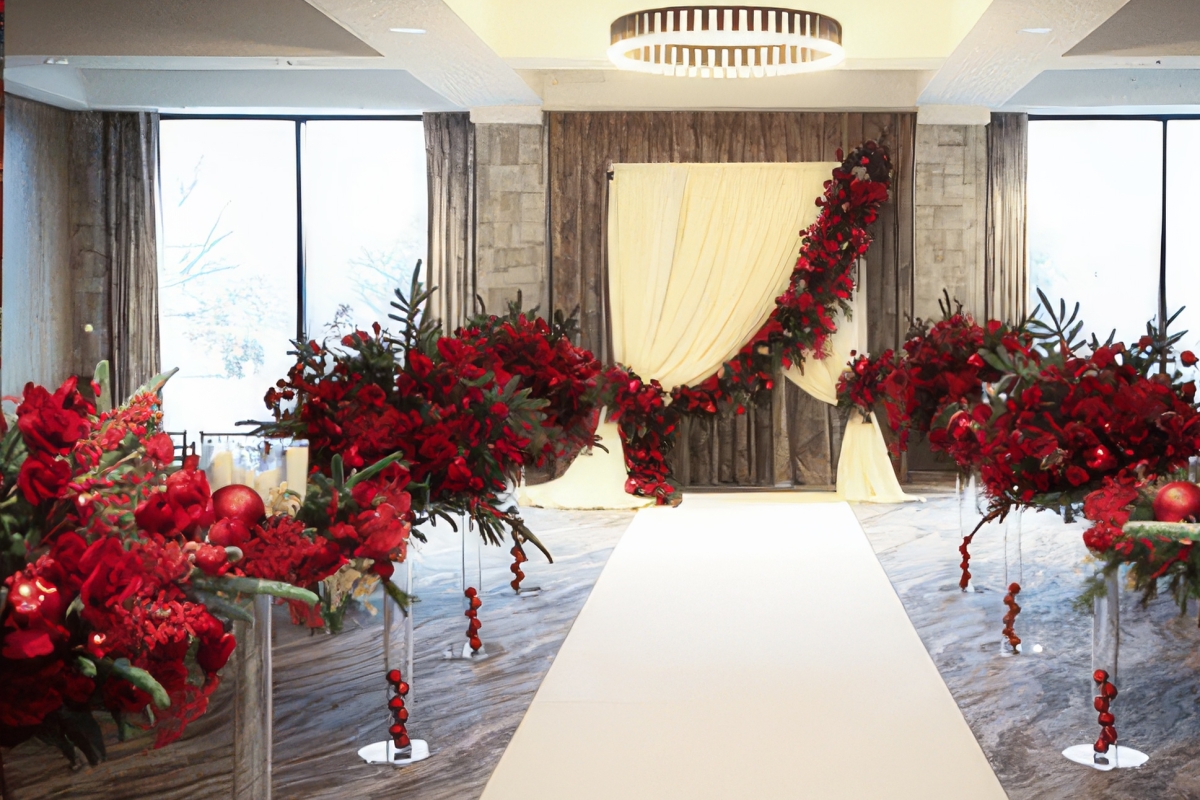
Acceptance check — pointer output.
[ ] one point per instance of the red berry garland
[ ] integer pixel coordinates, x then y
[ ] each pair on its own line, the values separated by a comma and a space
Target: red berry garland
398, 730
966, 554
518, 559
473, 613
1107, 693
1013, 609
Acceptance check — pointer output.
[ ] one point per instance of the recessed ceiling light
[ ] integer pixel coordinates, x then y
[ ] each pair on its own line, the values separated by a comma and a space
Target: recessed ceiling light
1035, 30
407, 30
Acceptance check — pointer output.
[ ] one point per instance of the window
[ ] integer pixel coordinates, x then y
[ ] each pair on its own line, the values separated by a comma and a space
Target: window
1105, 231
261, 246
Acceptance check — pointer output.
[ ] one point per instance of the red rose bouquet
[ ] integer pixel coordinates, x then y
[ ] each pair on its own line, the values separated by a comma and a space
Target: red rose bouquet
111, 598
433, 404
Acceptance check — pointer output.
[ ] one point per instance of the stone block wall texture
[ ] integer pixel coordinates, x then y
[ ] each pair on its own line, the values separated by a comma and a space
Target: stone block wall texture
510, 185
951, 187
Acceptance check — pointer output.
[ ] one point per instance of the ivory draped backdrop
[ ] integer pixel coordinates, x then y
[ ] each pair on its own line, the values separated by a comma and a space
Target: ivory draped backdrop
864, 470
697, 255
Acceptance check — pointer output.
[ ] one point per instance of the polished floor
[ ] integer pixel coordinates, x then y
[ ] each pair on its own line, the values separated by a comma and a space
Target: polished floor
1022, 710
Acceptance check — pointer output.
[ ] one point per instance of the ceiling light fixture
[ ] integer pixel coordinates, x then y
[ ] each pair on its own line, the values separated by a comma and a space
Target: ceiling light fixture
725, 41
1035, 30
407, 30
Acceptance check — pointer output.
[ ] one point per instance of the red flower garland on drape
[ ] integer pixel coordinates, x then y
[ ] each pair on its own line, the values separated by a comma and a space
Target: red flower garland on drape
801, 324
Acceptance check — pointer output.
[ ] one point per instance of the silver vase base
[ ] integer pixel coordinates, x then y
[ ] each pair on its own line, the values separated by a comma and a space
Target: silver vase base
388, 753
1117, 757
451, 653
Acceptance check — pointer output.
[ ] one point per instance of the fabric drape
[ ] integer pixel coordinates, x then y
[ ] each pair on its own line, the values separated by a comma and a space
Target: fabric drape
1006, 270
131, 210
450, 163
864, 469
697, 255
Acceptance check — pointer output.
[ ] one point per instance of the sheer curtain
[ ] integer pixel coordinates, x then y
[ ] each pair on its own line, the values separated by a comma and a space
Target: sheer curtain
697, 255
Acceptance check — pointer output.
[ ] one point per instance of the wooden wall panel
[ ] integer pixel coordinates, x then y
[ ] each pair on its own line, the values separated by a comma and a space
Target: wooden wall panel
583, 145
38, 304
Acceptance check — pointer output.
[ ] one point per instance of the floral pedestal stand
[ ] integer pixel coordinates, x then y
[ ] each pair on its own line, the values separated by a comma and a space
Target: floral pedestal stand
1106, 646
1010, 643
472, 587
387, 752
253, 710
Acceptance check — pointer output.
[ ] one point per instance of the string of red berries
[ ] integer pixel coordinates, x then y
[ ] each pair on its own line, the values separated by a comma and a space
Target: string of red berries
1107, 693
472, 613
398, 730
965, 580
1013, 609
519, 558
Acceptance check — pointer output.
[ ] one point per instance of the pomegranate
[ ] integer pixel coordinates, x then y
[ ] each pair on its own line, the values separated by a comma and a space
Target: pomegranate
238, 501
1177, 502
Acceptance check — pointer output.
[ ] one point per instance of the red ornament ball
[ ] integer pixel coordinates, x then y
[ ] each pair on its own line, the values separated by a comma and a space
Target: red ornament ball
1109, 691
476, 602
396, 730
402, 688
470, 591
1106, 718
396, 703
476, 643
1100, 746
240, 502
1101, 704
1099, 676
1178, 501
393, 677
402, 715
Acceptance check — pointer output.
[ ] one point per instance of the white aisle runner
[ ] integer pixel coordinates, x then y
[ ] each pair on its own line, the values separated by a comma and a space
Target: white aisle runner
743, 650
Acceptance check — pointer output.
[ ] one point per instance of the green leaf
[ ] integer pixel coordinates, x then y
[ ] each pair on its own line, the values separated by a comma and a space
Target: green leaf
373, 470
104, 394
155, 384
221, 607
338, 471
402, 599
142, 680
231, 585
86, 667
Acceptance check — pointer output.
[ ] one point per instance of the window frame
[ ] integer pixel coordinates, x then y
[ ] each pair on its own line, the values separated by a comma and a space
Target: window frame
300, 120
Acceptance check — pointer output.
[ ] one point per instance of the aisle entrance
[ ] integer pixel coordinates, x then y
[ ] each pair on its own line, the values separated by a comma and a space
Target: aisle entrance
735, 648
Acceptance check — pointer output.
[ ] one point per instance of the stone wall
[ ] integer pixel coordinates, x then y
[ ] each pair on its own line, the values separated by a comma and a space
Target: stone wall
951, 183
511, 197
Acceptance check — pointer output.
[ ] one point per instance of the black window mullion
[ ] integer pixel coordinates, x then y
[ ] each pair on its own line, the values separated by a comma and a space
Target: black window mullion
300, 238
1162, 258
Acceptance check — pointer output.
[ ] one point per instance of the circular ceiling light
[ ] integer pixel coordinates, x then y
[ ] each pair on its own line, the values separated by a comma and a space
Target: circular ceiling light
725, 41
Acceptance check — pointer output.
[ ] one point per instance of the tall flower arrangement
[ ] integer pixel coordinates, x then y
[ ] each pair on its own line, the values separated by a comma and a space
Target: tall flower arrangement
112, 598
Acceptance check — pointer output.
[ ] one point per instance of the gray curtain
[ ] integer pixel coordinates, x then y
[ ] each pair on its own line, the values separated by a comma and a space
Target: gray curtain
450, 156
114, 260
1006, 256
131, 175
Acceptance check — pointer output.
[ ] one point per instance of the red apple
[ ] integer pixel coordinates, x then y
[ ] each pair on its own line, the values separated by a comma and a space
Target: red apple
238, 501
1177, 502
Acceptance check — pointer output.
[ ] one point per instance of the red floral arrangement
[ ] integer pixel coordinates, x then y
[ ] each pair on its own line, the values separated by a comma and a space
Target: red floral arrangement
801, 322
552, 369
111, 600
460, 430
1064, 419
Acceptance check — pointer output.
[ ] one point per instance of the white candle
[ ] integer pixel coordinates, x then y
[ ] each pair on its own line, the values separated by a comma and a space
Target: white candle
220, 471
265, 482
296, 459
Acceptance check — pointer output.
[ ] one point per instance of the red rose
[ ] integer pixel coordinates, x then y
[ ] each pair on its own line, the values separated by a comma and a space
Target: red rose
212, 655
53, 423
113, 574
43, 477
160, 448
458, 476
188, 492
382, 534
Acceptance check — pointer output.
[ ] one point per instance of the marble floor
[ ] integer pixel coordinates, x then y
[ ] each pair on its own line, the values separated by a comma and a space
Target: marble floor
1024, 710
